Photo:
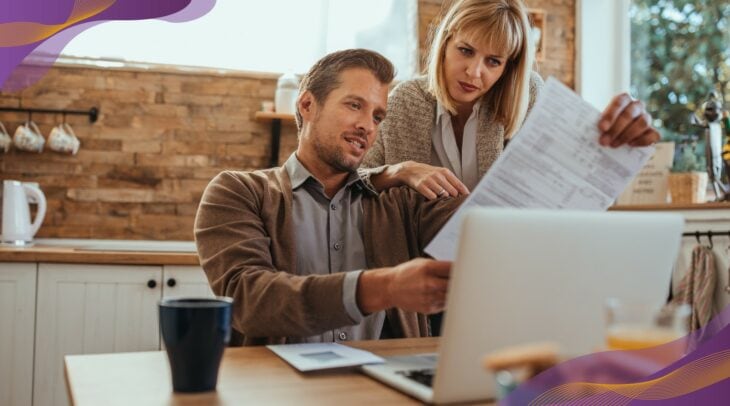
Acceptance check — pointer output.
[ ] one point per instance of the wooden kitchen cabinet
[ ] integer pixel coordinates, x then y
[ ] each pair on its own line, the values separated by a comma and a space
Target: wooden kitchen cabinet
87, 309
17, 318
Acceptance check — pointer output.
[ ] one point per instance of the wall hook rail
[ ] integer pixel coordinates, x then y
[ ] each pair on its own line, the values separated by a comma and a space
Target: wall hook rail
93, 112
709, 234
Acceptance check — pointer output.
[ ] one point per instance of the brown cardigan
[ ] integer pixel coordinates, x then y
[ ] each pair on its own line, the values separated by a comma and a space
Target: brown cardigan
244, 235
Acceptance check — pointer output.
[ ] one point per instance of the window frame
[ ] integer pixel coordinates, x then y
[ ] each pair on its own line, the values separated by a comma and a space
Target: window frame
603, 49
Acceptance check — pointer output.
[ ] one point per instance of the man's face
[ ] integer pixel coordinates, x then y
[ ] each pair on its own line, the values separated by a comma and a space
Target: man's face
343, 128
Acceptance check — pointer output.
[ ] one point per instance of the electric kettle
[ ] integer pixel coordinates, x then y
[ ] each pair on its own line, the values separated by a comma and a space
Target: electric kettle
17, 228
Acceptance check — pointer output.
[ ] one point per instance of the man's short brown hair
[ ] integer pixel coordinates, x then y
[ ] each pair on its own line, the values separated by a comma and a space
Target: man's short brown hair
324, 76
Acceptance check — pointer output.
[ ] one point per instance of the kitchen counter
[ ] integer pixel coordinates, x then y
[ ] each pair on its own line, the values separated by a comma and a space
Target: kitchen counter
712, 216
674, 206
129, 252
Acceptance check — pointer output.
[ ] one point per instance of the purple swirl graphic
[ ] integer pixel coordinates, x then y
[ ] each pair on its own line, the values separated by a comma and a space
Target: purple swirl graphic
692, 370
33, 32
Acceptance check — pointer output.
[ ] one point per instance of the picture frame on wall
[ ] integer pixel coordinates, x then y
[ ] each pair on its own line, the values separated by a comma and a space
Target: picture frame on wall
538, 17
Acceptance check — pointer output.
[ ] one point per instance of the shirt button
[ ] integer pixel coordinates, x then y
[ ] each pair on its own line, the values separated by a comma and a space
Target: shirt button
338, 246
333, 206
343, 335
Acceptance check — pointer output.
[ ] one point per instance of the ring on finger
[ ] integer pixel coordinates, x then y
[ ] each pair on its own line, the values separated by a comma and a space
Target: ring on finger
442, 192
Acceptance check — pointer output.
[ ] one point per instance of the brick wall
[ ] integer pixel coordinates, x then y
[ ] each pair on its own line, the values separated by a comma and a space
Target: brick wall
143, 165
162, 135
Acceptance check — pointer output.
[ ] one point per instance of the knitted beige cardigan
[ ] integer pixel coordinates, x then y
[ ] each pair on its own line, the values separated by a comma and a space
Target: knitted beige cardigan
405, 134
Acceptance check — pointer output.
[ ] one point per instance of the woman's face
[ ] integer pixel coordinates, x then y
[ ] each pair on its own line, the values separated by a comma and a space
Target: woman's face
470, 70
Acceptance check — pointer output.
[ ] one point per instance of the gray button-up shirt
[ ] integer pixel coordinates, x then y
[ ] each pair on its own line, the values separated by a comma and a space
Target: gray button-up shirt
328, 238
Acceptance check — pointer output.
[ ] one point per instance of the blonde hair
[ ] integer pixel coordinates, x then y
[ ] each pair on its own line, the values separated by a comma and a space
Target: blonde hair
504, 26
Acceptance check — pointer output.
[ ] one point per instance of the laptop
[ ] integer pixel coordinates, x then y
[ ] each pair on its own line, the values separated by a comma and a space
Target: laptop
525, 276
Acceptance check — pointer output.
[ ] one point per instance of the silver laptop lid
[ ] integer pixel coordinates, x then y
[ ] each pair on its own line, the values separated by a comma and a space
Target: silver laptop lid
533, 275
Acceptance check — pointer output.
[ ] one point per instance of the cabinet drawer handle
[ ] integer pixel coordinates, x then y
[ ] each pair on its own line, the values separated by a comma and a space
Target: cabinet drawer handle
171, 282
151, 283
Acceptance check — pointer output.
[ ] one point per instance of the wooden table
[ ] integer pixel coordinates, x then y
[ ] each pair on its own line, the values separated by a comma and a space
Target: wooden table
248, 375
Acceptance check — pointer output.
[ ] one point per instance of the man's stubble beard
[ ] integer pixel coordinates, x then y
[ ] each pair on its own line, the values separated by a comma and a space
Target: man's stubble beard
331, 154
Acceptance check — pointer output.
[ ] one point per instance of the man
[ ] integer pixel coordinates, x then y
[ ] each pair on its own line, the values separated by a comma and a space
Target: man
309, 251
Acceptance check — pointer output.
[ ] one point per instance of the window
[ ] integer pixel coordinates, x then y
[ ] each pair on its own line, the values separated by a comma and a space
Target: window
680, 52
602, 49
267, 36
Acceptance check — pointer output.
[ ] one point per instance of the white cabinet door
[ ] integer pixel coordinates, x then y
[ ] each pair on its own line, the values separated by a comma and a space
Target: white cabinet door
185, 281
17, 320
86, 309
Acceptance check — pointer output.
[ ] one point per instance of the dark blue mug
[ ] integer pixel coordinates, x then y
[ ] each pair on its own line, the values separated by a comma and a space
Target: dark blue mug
195, 332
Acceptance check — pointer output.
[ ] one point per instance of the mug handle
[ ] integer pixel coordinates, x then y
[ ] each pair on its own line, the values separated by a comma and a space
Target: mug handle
9, 139
35, 128
41, 213
69, 130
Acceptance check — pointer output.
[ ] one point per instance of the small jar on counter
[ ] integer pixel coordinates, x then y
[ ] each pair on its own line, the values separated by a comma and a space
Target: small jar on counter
287, 89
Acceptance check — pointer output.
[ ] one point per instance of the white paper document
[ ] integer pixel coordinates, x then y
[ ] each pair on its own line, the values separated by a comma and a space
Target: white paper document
316, 356
553, 162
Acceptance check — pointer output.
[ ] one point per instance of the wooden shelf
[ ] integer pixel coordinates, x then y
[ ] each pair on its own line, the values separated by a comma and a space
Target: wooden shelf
275, 119
669, 206
267, 117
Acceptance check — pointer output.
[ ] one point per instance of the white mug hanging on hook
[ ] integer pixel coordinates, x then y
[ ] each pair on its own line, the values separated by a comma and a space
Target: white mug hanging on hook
62, 139
5, 140
28, 137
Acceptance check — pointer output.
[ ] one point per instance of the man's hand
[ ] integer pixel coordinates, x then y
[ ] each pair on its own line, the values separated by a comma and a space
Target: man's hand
418, 285
626, 121
430, 181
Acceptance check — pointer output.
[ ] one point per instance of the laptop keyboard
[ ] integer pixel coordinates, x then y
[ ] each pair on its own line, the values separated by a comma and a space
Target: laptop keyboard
422, 376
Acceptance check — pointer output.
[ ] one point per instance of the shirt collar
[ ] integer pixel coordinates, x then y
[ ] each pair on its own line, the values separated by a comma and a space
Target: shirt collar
443, 114
298, 175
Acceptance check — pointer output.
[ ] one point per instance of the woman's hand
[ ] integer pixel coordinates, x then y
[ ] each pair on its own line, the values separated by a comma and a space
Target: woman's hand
626, 121
430, 181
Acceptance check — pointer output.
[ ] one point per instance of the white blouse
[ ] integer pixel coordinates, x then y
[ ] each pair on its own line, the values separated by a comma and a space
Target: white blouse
445, 152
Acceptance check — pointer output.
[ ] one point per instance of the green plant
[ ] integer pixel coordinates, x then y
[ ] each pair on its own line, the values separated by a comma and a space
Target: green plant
687, 159
679, 53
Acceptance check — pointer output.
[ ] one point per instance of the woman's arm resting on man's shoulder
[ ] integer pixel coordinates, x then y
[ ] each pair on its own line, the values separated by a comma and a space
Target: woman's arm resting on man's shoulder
430, 181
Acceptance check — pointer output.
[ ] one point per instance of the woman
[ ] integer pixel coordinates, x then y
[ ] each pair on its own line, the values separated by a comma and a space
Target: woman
444, 130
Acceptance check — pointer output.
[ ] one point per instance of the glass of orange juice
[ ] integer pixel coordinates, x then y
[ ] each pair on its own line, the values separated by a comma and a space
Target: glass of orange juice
635, 325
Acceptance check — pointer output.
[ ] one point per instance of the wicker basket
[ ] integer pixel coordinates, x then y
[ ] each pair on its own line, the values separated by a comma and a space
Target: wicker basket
688, 187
